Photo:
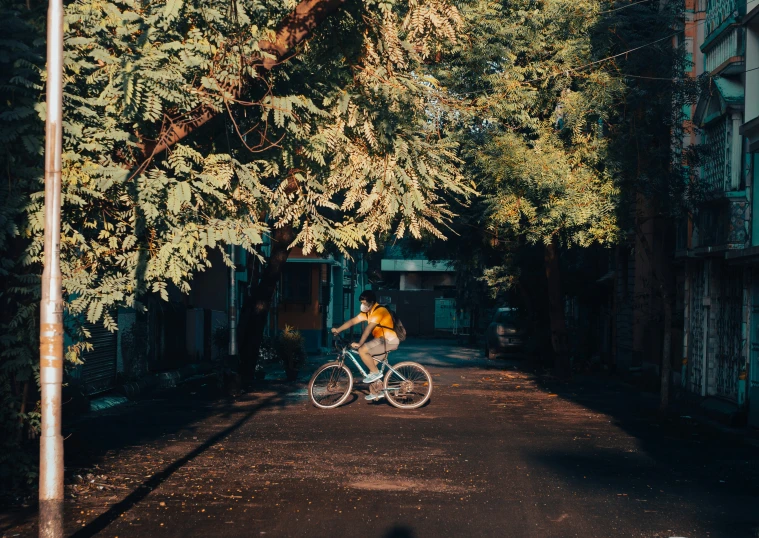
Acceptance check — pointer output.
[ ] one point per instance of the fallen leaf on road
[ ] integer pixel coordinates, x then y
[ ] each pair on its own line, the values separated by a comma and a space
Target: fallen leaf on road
455, 385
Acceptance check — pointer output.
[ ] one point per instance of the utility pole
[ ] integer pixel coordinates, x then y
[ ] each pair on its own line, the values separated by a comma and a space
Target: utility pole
51, 306
354, 285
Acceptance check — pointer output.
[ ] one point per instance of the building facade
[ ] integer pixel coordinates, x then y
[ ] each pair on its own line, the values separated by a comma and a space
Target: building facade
423, 294
719, 249
309, 298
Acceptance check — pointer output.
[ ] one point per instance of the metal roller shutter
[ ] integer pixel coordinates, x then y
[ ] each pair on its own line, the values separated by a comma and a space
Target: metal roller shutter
99, 368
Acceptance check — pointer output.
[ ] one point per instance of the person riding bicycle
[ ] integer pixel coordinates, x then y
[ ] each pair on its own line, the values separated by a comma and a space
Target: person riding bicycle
380, 326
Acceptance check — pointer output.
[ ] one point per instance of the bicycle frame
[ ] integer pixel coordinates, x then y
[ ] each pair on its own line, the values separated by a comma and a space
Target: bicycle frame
359, 366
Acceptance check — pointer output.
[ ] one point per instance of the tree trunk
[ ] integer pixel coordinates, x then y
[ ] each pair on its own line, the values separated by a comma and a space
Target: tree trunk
559, 337
666, 359
658, 253
255, 311
474, 318
667, 290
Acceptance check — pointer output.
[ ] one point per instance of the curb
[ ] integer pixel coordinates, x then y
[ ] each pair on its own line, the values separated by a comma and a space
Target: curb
163, 380
153, 382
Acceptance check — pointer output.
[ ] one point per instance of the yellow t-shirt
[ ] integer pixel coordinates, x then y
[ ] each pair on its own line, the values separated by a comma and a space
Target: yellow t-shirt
381, 316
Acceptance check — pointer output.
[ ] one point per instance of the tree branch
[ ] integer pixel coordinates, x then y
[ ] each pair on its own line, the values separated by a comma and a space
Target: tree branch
293, 30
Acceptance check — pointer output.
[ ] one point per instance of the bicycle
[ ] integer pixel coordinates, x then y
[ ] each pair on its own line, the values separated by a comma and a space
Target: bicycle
407, 385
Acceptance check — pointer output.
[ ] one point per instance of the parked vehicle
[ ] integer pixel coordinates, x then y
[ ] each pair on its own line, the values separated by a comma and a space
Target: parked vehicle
506, 332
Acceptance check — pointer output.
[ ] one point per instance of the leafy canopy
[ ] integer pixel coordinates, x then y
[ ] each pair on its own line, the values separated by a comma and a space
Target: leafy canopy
334, 141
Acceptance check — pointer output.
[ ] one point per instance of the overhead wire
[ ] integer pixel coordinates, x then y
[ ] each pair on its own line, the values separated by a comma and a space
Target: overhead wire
579, 68
623, 7
569, 71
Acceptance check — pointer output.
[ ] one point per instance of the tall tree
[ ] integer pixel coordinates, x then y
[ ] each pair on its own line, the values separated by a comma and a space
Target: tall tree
544, 162
191, 125
575, 112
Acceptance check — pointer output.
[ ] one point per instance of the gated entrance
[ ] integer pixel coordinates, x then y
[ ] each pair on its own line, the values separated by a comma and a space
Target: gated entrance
729, 334
699, 319
753, 390
448, 319
99, 368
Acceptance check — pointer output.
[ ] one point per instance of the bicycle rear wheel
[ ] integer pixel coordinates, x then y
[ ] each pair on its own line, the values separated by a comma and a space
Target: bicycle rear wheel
330, 385
410, 388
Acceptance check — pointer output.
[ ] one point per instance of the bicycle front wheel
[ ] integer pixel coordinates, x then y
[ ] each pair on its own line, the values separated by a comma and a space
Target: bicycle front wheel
410, 387
330, 385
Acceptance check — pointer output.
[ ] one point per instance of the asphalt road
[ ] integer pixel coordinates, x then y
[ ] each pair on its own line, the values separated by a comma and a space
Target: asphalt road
497, 452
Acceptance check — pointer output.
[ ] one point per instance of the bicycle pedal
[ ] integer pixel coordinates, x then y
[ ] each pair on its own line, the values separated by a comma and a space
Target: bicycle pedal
376, 387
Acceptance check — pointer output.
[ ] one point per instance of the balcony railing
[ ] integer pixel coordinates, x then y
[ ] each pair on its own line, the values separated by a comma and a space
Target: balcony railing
729, 45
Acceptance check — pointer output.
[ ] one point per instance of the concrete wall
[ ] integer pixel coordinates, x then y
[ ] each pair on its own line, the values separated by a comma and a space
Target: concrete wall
426, 281
416, 309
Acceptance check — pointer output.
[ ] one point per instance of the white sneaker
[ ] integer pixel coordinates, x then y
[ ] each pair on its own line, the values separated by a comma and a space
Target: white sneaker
371, 378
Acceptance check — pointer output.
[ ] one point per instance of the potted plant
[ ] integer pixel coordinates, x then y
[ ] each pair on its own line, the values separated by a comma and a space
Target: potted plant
291, 351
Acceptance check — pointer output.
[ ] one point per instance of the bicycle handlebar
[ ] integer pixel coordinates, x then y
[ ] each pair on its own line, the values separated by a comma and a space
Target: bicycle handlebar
341, 342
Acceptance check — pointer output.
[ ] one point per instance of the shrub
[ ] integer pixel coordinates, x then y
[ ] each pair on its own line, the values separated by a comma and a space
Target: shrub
291, 351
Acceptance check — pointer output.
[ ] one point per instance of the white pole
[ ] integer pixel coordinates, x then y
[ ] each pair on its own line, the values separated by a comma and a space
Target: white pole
51, 307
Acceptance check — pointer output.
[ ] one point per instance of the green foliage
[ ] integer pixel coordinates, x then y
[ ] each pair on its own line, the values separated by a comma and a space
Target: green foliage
540, 155
647, 127
20, 153
336, 142
561, 127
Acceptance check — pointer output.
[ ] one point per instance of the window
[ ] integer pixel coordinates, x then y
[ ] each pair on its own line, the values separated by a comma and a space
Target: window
716, 166
296, 283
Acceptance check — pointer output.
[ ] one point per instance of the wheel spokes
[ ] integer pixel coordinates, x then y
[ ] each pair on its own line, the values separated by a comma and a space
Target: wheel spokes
409, 385
330, 386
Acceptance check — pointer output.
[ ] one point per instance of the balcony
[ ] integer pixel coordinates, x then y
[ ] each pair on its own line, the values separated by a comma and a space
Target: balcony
721, 227
725, 55
719, 113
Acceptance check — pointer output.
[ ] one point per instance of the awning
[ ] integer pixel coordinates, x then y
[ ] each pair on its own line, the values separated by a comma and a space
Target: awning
725, 94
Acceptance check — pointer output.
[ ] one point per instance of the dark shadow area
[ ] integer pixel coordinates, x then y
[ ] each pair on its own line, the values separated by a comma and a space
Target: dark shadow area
676, 456
351, 399
169, 412
640, 484
384, 402
13, 519
399, 531
144, 422
154, 481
